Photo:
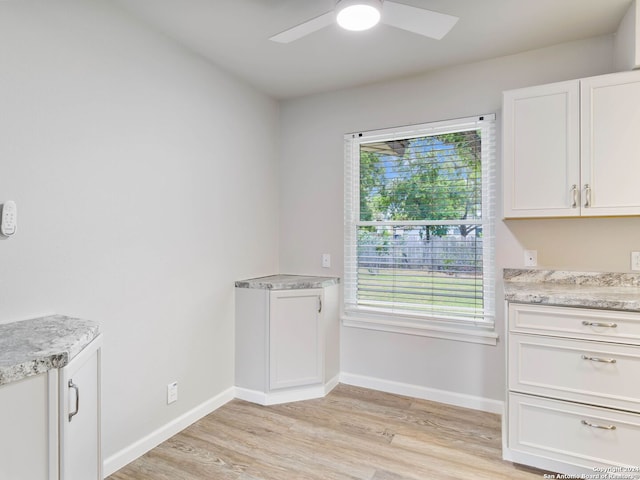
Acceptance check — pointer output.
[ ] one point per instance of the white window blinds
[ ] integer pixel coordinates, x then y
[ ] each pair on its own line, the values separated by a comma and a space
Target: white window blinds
419, 222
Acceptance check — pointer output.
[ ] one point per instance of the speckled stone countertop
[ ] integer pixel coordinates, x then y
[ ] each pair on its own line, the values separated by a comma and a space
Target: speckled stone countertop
287, 282
34, 346
609, 291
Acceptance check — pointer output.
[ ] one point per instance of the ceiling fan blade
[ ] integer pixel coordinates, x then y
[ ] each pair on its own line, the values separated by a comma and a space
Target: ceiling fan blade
417, 20
304, 29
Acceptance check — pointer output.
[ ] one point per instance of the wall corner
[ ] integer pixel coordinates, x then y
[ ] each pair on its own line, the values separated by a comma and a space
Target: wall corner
627, 40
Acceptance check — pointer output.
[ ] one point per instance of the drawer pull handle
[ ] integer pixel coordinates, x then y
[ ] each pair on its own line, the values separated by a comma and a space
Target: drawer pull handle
595, 425
77, 390
587, 195
599, 324
598, 359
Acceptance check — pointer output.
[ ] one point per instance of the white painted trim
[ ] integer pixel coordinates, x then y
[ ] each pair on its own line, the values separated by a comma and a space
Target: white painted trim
118, 460
425, 393
423, 329
253, 396
331, 384
287, 395
53, 432
538, 461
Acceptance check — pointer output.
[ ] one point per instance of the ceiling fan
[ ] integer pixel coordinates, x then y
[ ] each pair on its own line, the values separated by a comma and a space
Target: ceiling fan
358, 15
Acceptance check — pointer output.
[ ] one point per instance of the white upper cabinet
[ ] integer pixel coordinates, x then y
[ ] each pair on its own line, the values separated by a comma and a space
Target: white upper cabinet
610, 144
570, 148
541, 151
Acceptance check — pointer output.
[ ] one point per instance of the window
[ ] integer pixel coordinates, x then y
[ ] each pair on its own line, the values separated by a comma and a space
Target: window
419, 229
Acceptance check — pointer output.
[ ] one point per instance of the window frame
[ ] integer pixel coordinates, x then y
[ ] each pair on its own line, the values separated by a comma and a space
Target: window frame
478, 330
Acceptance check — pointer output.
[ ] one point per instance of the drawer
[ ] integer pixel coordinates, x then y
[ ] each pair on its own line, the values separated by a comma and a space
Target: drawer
584, 323
588, 437
597, 373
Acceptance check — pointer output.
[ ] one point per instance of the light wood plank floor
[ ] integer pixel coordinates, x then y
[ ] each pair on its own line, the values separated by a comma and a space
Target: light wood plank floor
353, 433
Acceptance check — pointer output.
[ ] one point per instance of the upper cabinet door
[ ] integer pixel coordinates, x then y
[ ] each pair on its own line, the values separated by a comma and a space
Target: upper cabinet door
610, 159
541, 158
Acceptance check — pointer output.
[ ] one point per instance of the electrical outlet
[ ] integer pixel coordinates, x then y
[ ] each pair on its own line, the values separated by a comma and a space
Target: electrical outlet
326, 260
635, 260
530, 258
172, 392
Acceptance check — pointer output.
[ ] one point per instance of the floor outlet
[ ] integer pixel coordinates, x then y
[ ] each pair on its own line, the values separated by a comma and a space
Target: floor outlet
172, 392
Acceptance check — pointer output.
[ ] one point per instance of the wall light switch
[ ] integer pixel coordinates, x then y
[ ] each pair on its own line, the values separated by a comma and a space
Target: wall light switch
530, 258
326, 260
635, 260
172, 392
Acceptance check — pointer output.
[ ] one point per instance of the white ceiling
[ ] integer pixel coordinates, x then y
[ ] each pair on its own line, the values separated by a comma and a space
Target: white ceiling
234, 34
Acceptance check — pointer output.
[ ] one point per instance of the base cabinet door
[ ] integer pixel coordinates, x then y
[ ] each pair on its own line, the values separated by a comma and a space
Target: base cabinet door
27, 443
80, 449
295, 338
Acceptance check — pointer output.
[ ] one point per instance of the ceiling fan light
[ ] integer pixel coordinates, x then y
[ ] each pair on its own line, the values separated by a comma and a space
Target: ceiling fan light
358, 15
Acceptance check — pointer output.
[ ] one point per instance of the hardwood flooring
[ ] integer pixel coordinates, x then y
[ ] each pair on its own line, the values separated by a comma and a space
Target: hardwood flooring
353, 433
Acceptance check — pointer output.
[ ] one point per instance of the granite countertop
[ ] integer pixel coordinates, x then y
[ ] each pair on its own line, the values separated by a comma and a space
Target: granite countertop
609, 291
34, 346
287, 282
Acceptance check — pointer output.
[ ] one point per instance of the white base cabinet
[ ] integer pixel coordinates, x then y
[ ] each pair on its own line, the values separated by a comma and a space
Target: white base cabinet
79, 419
50, 430
26, 450
574, 397
287, 343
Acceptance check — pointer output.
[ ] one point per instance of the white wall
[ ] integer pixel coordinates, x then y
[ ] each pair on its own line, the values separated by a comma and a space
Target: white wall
146, 184
626, 48
311, 176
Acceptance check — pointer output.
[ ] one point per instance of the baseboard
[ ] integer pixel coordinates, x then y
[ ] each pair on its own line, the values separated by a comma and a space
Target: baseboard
118, 460
564, 470
425, 393
286, 396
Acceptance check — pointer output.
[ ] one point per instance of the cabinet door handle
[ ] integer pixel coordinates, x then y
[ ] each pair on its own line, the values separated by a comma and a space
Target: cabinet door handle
595, 425
574, 195
319, 304
587, 195
598, 359
77, 390
599, 324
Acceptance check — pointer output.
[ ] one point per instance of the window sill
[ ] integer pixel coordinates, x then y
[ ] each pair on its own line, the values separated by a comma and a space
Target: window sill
423, 329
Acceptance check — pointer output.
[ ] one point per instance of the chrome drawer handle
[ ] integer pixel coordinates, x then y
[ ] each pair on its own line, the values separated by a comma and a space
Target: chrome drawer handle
595, 425
598, 359
599, 324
